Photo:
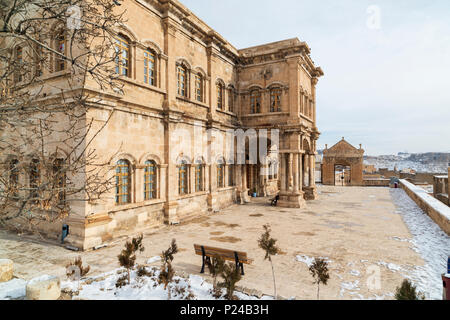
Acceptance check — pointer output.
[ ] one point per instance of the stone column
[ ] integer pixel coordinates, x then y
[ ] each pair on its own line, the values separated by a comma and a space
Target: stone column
283, 172
311, 170
295, 156
300, 173
290, 162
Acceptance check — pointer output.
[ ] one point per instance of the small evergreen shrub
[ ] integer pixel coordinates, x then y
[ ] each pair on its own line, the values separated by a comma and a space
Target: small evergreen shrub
319, 271
127, 258
231, 276
408, 291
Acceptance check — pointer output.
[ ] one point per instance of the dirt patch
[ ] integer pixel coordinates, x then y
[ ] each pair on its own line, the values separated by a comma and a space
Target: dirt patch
226, 239
228, 225
216, 233
308, 234
256, 215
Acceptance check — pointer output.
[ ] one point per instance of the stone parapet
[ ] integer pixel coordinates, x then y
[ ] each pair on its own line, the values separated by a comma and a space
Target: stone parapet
439, 212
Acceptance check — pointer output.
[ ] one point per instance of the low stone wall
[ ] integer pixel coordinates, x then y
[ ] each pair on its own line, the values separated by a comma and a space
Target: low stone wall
437, 211
376, 182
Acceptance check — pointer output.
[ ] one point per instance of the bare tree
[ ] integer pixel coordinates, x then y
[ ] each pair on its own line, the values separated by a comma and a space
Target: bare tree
55, 56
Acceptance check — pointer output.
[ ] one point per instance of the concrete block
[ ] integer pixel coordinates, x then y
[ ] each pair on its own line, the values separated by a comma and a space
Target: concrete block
43, 288
6, 270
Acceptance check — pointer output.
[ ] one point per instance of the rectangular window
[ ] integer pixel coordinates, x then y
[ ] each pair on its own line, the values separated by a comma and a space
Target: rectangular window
149, 68
150, 181
231, 175
35, 177
182, 178
61, 48
220, 168
219, 96
199, 88
60, 179
182, 81
275, 100
198, 178
255, 102
231, 100
123, 185
122, 58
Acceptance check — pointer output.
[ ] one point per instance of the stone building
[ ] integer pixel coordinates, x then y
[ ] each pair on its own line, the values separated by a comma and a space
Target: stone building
184, 84
343, 157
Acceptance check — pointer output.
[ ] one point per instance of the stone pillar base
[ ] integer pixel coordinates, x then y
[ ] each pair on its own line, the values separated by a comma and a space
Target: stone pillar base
212, 202
242, 196
292, 200
310, 193
170, 213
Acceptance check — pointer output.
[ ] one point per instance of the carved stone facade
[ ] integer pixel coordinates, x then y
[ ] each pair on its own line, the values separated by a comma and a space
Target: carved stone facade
200, 86
343, 154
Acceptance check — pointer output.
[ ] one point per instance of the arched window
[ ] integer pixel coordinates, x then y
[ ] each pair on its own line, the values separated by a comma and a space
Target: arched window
123, 182
220, 173
35, 179
183, 175
199, 87
198, 176
219, 90
59, 175
255, 101
61, 48
149, 68
14, 177
150, 180
122, 57
182, 81
275, 100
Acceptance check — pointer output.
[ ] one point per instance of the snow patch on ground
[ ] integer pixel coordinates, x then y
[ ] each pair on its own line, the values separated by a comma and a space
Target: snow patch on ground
310, 260
355, 273
13, 289
154, 259
103, 287
429, 241
391, 266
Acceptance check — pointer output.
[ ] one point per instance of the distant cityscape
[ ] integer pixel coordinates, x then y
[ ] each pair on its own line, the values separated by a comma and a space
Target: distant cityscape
432, 162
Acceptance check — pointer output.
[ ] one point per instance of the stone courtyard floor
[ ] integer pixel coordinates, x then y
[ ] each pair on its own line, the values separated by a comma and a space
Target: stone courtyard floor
358, 229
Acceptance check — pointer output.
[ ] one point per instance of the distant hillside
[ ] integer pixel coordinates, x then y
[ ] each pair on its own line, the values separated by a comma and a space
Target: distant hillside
433, 162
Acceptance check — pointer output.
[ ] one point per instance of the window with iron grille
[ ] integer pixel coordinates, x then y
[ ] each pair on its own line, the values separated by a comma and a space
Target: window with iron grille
199, 87
183, 178
231, 175
59, 174
182, 83
150, 180
149, 68
220, 174
122, 57
61, 44
255, 102
275, 100
199, 177
35, 180
123, 182
219, 88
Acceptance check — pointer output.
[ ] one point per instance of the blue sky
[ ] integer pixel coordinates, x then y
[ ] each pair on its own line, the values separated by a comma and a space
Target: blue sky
387, 80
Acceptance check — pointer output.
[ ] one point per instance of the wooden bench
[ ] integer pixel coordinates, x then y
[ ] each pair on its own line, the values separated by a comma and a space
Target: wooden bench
207, 253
